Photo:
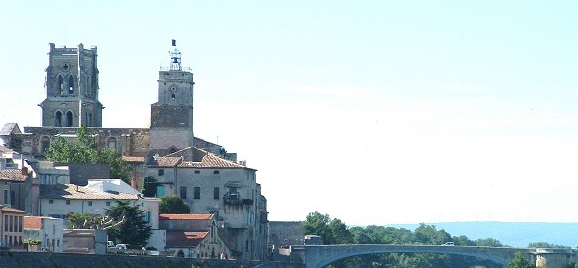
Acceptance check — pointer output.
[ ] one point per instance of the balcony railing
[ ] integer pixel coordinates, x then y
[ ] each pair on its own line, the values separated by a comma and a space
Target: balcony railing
234, 199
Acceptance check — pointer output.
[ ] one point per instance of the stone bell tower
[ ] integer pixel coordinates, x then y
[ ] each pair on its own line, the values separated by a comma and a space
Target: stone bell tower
71, 88
172, 116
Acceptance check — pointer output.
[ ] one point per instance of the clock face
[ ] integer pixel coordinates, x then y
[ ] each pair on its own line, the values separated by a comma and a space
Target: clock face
173, 92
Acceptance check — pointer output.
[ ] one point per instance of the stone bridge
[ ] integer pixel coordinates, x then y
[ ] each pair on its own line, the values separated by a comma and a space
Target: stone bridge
318, 256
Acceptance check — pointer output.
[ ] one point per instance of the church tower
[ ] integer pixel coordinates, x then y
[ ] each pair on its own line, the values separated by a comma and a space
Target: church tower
172, 116
71, 88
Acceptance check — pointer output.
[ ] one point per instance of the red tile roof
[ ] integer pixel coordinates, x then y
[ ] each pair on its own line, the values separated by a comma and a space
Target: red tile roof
168, 161
12, 175
185, 238
212, 161
6, 150
134, 159
32, 222
13, 210
166, 216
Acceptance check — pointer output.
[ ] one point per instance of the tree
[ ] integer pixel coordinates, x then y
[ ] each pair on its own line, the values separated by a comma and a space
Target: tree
84, 150
545, 245
332, 231
92, 221
519, 262
133, 229
173, 204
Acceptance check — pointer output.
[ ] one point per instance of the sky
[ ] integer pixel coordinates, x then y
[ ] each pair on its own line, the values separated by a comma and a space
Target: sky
373, 112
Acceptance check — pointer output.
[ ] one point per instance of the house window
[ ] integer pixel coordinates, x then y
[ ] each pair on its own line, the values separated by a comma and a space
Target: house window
5, 197
68, 202
108, 203
216, 172
183, 192
197, 171
50, 201
161, 172
90, 203
216, 194
197, 193
44, 144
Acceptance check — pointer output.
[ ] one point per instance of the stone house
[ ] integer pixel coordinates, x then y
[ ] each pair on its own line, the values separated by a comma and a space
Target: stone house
49, 231
11, 227
61, 199
210, 184
193, 236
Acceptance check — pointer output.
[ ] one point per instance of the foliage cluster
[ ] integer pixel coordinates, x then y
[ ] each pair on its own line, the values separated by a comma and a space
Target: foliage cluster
133, 229
173, 204
334, 231
84, 150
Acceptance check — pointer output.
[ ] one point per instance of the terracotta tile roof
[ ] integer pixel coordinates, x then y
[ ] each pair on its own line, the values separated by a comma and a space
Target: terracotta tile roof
185, 238
12, 175
32, 222
71, 191
6, 150
168, 161
133, 159
13, 210
166, 216
211, 161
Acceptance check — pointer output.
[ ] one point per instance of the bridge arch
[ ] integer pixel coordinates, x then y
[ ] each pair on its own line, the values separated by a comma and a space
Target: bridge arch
322, 255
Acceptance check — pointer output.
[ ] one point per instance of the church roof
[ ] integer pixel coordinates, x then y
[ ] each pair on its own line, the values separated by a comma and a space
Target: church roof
12, 175
10, 128
71, 191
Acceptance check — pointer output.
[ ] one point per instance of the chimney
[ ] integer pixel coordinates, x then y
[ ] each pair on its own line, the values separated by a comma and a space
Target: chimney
25, 171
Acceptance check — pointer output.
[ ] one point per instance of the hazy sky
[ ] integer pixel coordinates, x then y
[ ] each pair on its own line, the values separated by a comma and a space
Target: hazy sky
374, 112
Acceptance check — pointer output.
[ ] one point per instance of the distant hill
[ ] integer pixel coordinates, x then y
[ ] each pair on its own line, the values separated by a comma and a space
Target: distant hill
515, 234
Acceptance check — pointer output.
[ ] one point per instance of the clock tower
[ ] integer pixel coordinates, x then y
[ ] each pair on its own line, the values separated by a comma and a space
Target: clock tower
71, 88
172, 116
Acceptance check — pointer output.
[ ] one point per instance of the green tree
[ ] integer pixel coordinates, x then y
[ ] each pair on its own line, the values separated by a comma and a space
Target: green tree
173, 204
489, 242
84, 150
519, 262
545, 245
133, 229
332, 231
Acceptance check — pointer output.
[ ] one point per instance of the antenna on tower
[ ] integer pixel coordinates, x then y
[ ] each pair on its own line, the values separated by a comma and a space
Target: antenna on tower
175, 57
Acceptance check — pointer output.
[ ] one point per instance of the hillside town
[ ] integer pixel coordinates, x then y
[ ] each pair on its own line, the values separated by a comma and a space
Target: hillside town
228, 212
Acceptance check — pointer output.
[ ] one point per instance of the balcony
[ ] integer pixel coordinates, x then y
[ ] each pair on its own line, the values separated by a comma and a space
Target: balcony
234, 199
